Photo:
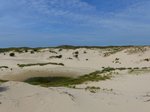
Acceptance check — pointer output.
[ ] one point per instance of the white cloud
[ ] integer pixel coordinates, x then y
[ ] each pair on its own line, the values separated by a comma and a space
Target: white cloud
135, 19
77, 13
59, 7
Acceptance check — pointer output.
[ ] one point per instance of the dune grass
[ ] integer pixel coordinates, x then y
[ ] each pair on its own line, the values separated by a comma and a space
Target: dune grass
40, 64
139, 71
4, 67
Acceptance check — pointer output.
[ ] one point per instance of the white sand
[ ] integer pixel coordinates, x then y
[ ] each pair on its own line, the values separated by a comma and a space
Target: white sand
127, 96
123, 93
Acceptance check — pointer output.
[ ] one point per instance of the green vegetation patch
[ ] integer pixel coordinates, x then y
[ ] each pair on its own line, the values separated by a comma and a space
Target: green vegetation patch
137, 49
40, 64
68, 81
104, 74
113, 50
2, 81
19, 49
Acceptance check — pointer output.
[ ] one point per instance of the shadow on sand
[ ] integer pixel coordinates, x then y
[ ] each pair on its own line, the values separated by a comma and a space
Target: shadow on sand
2, 89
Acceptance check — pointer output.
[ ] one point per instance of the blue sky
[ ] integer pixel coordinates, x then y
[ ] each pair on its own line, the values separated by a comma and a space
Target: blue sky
75, 22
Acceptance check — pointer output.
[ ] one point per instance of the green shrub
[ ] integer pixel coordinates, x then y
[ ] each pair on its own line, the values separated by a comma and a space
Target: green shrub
12, 54
76, 55
32, 52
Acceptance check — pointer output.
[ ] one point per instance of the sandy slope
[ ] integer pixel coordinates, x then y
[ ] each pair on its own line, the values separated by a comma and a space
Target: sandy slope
21, 97
123, 93
130, 93
88, 60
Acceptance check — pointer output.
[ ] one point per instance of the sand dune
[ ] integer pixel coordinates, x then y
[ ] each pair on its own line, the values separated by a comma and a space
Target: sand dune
127, 91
